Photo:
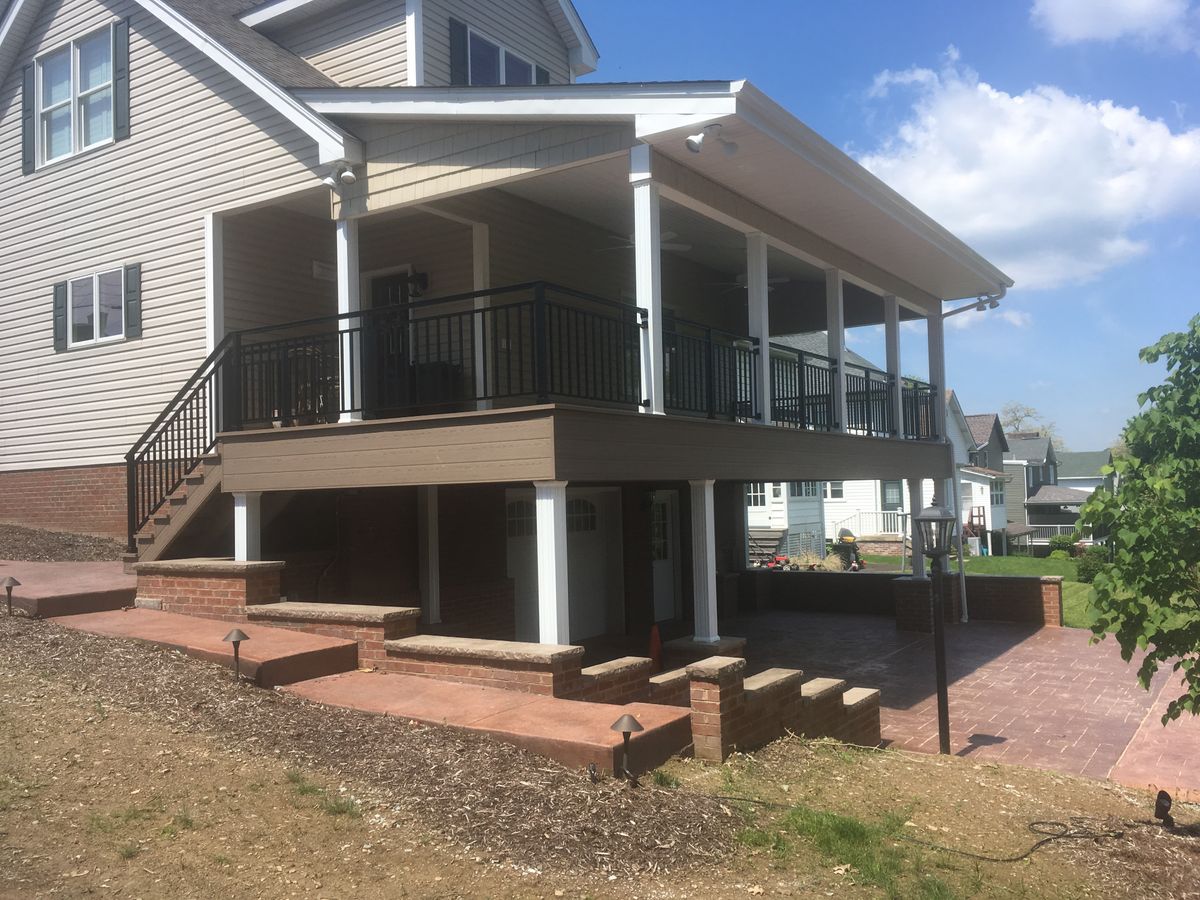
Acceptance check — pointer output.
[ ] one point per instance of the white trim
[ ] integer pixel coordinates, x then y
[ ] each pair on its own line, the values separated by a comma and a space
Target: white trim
505, 52
584, 57
279, 12
247, 526
647, 264
554, 610
18, 18
72, 103
414, 36
334, 145
214, 281
349, 299
94, 277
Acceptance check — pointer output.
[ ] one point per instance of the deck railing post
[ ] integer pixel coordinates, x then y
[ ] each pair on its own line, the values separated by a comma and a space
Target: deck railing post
541, 344
231, 405
131, 502
710, 375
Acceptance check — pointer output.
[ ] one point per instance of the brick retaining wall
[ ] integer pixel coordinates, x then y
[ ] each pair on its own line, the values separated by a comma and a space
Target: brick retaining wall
79, 499
207, 588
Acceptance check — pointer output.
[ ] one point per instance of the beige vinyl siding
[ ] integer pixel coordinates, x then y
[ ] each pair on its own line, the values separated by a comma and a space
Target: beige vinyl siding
430, 244
522, 26
269, 256
357, 45
419, 162
193, 148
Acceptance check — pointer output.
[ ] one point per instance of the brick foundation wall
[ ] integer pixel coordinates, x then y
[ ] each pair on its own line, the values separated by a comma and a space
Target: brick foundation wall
619, 681
458, 664
80, 499
671, 688
208, 589
370, 638
881, 548
1034, 600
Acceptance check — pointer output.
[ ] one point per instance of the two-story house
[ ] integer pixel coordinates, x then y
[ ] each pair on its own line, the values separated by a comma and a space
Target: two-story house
1036, 503
380, 290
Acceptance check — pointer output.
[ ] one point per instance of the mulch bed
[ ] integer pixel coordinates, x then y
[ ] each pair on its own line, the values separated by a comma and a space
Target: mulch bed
488, 799
36, 545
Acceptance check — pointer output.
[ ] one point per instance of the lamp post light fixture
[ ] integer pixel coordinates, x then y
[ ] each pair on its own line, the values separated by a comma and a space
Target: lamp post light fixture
937, 530
627, 724
236, 637
9, 584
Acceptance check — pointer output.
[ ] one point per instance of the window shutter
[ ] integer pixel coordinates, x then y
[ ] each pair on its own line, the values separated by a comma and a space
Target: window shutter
28, 127
121, 80
460, 71
133, 301
60, 316
540, 75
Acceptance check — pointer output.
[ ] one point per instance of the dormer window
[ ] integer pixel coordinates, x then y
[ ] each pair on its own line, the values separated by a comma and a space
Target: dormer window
478, 60
76, 97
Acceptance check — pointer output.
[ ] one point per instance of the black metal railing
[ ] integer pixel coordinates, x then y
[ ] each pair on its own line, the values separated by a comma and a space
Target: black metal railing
709, 372
869, 401
920, 411
802, 389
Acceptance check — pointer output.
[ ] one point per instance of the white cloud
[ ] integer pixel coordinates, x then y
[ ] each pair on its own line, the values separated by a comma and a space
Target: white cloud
1149, 21
1050, 186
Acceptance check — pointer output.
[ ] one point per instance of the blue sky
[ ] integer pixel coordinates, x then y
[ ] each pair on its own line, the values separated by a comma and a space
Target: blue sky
1061, 138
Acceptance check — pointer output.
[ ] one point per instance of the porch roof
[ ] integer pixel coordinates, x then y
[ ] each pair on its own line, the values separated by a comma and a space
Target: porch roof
781, 164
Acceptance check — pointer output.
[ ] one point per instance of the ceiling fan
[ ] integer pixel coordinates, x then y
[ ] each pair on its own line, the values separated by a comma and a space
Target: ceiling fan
666, 242
739, 283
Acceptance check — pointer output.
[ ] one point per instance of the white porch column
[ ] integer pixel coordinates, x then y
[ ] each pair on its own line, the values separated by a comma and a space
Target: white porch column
704, 561
937, 371
554, 625
758, 303
648, 273
429, 554
835, 322
891, 327
350, 344
918, 546
247, 526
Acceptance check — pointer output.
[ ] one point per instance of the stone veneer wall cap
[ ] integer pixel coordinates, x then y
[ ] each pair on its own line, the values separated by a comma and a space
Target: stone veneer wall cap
665, 678
205, 566
712, 668
480, 648
623, 664
351, 613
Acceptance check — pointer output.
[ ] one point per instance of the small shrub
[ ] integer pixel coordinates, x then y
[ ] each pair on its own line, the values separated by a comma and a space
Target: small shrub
1059, 554
1063, 542
665, 779
1091, 563
341, 806
129, 851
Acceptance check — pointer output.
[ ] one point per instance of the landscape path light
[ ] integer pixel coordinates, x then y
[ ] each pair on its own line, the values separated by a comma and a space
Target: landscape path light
937, 530
9, 584
236, 637
627, 725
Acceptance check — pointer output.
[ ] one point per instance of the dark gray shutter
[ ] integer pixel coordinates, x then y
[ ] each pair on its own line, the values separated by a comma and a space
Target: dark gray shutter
133, 301
460, 67
540, 75
60, 316
121, 80
28, 126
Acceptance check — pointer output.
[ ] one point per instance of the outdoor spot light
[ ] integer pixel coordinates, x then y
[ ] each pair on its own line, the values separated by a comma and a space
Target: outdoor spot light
9, 584
236, 637
695, 142
627, 725
937, 529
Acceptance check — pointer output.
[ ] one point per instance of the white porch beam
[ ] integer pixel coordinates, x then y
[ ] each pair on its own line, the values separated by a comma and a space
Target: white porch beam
550, 501
349, 301
936, 330
918, 546
704, 561
758, 303
429, 554
647, 254
891, 327
247, 526
835, 323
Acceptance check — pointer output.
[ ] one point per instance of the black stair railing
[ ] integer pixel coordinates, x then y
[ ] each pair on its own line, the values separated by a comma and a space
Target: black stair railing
802, 389
709, 372
869, 401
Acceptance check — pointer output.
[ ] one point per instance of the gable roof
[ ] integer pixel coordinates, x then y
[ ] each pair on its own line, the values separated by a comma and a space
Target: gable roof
1056, 495
982, 426
817, 343
1032, 448
258, 63
1082, 464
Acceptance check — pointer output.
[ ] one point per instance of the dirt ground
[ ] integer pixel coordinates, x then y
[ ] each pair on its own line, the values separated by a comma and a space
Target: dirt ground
37, 545
127, 771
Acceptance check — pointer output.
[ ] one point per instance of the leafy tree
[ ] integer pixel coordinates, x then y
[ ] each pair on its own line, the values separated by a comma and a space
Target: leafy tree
1149, 594
1022, 417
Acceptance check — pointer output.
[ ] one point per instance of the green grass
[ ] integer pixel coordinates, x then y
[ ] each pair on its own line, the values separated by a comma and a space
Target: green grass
1020, 565
664, 779
341, 806
1077, 605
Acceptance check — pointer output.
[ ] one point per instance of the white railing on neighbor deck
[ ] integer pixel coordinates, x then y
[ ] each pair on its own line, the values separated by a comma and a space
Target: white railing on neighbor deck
874, 521
1042, 533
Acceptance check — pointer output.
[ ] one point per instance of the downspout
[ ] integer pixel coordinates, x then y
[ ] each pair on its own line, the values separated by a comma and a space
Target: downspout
962, 575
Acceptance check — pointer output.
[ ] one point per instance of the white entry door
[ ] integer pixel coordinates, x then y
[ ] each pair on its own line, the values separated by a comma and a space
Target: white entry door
664, 554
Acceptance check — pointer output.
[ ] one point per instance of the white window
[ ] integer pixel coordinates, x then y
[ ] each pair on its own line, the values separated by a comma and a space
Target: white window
834, 490
490, 63
804, 489
998, 492
756, 493
96, 308
75, 97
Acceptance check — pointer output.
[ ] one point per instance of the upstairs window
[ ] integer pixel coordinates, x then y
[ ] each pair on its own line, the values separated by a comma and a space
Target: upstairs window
478, 60
76, 97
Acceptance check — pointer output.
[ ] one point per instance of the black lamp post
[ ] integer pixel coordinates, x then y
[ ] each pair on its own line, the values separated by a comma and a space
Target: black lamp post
9, 584
627, 724
236, 637
937, 529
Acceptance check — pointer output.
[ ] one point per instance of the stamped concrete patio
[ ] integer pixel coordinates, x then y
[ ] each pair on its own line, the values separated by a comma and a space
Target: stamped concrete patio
1036, 697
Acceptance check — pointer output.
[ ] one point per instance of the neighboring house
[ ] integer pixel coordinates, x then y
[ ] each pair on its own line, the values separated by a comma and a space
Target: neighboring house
785, 517
377, 290
987, 477
1082, 470
1037, 505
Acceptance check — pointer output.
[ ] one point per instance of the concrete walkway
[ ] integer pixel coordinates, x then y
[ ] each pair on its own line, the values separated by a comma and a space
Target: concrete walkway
1037, 697
62, 588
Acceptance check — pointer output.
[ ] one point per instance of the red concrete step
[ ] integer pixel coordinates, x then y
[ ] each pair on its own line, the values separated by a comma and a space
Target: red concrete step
573, 732
70, 588
269, 656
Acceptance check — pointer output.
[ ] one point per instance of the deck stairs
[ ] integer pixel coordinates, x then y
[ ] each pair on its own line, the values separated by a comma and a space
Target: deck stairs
180, 508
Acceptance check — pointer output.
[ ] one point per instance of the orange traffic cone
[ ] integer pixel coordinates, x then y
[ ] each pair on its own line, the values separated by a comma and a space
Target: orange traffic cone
656, 648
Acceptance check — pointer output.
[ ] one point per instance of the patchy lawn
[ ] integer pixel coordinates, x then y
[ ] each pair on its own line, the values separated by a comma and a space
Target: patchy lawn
131, 771
36, 545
